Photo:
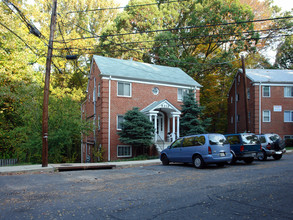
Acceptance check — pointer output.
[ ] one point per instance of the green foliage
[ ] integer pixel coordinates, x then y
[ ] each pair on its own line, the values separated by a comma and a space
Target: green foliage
284, 57
137, 130
192, 121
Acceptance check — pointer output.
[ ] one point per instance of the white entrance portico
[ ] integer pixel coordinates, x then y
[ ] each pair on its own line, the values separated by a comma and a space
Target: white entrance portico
165, 117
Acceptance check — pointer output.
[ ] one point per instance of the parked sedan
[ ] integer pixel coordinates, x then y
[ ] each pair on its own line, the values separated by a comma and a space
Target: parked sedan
199, 149
272, 145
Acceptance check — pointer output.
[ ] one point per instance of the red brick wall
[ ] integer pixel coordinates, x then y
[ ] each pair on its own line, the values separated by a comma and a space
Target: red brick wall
277, 124
142, 96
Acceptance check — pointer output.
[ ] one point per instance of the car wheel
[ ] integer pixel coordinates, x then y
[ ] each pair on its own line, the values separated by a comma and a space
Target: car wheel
277, 156
232, 161
262, 156
248, 160
198, 162
165, 160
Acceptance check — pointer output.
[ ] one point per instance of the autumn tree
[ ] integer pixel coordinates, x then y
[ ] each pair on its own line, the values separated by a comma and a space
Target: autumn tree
284, 57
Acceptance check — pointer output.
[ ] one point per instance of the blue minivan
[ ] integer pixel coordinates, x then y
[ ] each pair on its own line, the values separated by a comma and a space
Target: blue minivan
198, 149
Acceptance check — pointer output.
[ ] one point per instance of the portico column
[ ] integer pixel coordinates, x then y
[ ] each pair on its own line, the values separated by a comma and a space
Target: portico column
178, 126
173, 128
156, 134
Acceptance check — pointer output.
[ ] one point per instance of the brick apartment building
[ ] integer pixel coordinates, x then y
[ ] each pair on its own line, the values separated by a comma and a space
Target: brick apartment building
269, 102
115, 86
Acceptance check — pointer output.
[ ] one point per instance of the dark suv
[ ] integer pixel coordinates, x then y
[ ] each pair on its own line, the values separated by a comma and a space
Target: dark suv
244, 146
272, 145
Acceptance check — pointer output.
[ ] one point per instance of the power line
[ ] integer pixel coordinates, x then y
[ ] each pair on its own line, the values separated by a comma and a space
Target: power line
32, 28
33, 50
173, 29
200, 36
128, 6
178, 45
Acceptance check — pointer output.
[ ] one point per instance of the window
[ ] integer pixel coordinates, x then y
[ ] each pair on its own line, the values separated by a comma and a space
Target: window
231, 99
99, 122
124, 89
177, 143
288, 116
99, 90
188, 142
248, 93
266, 116
249, 139
262, 139
288, 137
237, 97
234, 139
288, 91
124, 151
94, 94
217, 139
238, 118
182, 93
249, 117
199, 140
232, 121
266, 91
120, 119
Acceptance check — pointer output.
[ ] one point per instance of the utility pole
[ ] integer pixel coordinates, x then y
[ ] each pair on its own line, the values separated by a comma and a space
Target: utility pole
47, 86
245, 93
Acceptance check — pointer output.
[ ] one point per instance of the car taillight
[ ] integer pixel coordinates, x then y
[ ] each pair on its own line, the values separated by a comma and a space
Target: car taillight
210, 150
241, 148
269, 146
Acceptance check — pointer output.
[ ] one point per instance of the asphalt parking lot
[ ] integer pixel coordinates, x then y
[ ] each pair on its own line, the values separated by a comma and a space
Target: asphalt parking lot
262, 190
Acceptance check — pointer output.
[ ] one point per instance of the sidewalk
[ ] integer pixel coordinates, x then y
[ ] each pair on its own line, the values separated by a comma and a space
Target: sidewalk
29, 169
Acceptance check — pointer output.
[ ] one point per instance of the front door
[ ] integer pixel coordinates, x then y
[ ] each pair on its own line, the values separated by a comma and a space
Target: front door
160, 127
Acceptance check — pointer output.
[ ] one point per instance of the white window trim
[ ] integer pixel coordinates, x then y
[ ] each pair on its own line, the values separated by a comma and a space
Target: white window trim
119, 129
99, 90
130, 151
263, 116
290, 113
285, 92
248, 93
99, 122
269, 92
182, 89
130, 88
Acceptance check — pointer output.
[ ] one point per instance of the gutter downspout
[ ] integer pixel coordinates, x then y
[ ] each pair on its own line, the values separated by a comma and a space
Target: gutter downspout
259, 113
109, 122
95, 116
235, 118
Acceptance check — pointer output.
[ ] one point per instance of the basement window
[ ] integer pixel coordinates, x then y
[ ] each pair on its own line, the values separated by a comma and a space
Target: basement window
124, 151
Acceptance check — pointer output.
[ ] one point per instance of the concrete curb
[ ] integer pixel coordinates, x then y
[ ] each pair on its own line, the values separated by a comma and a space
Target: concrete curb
33, 169
17, 170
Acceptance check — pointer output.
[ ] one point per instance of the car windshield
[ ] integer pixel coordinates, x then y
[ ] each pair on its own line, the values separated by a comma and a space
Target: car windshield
217, 139
274, 137
250, 139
